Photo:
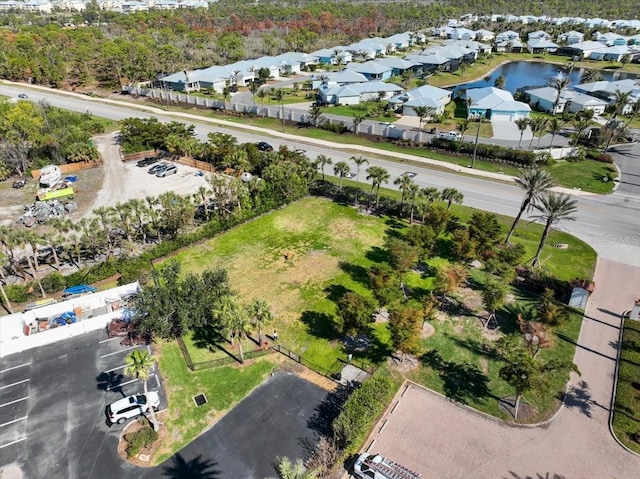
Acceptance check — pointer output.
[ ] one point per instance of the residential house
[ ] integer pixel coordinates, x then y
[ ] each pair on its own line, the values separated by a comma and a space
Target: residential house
582, 49
433, 62
484, 35
372, 69
338, 95
70, 5
461, 34
634, 40
507, 36
402, 41
495, 104
607, 90
292, 63
596, 23
538, 35
164, 4
569, 101
358, 92
134, 6
571, 37
612, 53
426, 95
40, 6
399, 65
611, 38
344, 77
541, 46
11, 5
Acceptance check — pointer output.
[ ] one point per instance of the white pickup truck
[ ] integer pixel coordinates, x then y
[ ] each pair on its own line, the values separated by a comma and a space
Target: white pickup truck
449, 135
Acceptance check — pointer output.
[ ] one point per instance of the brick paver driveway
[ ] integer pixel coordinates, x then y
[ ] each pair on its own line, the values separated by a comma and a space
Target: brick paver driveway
428, 433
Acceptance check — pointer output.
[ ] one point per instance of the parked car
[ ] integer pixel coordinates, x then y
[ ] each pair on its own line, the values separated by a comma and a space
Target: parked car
449, 135
24, 96
132, 406
264, 146
149, 160
169, 170
156, 168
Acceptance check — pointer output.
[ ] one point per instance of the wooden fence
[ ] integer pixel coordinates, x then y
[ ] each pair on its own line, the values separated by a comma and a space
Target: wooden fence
201, 165
138, 155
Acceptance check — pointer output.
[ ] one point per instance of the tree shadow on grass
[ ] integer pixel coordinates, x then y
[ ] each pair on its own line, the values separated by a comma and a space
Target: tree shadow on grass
320, 325
462, 381
356, 272
208, 337
476, 346
377, 255
196, 468
335, 292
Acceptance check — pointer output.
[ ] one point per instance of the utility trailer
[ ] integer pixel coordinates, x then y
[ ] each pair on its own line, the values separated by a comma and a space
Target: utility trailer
374, 466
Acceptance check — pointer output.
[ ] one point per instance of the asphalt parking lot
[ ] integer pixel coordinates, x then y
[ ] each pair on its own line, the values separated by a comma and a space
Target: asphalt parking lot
52, 408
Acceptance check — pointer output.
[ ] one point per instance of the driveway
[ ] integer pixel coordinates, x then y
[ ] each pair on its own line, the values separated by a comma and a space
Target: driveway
627, 157
432, 435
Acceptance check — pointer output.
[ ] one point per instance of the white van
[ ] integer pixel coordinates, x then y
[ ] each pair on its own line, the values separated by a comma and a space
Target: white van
450, 135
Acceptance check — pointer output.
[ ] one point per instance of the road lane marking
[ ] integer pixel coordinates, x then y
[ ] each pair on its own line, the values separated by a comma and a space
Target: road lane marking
13, 442
111, 388
115, 369
107, 340
13, 402
15, 367
118, 352
14, 384
14, 421
588, 224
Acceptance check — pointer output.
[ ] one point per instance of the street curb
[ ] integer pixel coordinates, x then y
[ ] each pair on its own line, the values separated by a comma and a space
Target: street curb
615, 387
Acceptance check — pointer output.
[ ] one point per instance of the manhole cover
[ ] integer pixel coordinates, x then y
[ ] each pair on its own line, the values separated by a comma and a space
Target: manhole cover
200, 399
561, 245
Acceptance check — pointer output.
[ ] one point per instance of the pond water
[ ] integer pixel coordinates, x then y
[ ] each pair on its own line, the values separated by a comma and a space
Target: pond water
536, 74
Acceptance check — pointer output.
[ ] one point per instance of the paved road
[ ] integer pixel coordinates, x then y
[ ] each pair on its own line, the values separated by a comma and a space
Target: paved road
430, 434
607, 223
627, 157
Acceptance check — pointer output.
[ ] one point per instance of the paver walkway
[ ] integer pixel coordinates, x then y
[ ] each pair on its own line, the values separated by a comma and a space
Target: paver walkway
428, 433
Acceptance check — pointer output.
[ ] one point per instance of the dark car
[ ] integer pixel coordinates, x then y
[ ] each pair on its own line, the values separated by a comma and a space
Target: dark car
149, 160
24, 96
264, 146
156, 168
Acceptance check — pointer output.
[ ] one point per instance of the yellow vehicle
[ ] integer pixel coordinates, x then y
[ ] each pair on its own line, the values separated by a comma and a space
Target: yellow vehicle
63, 194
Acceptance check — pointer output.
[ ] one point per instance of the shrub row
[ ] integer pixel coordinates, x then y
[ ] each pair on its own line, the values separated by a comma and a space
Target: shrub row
487, 152
136, 441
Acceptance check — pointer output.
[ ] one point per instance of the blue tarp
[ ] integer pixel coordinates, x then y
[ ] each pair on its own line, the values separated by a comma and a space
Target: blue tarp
64, 319
82, 288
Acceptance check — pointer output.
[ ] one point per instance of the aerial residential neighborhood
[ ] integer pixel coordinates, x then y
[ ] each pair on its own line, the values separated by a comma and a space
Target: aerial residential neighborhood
330, 240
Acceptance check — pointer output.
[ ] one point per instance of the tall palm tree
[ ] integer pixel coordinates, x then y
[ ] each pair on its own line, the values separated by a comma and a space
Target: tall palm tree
553, 208
580, 123
621, 100
522, 124
234, 320
430, 194
412, 192
359, 161
279, 94
104, 216
262, 94
451, 195
535, 183
422, 112
537, 125
377, 175
260, 314
560, 83
138, 365
139, 211
341, 169
403, 182
463, 126
554, 126
635, 110
321, 162
357, 119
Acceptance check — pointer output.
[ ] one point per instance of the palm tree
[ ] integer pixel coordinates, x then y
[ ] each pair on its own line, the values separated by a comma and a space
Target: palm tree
359, 161
522, 124
235, 321
279, 94
422, 112
621, 100
589, 76
451, 195
377, 175
260, 315
412, 192
553, 208
463, 126
559, 83
430, 194
403, 182
635, 109
537, 125
535, 183
341, 169
554, 126
262, 94
138, 365
321, 162
500, 82
580, 123
3, 281
357, 119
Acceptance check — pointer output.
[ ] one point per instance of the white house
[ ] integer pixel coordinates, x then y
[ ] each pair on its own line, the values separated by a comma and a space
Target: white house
571, 37
495, 104
426, 95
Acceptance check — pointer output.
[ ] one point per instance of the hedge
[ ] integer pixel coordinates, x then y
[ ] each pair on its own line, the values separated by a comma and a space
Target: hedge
493, 153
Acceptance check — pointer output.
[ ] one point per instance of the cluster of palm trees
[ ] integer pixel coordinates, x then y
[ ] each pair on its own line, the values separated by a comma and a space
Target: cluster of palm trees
549, 207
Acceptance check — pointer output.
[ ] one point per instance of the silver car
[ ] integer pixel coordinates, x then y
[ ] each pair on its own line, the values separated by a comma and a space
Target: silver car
169, 170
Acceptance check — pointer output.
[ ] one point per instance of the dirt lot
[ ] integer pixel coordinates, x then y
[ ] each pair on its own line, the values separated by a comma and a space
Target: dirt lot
115, 182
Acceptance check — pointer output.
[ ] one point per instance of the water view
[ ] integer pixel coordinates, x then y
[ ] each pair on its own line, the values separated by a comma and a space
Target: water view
536, 74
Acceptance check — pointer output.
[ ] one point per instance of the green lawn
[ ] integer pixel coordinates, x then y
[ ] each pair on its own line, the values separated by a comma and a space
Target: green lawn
223, 387
328, 249
626, 415
586, 175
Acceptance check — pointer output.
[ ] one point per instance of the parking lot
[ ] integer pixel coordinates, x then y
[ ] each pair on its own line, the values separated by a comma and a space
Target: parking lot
52, 408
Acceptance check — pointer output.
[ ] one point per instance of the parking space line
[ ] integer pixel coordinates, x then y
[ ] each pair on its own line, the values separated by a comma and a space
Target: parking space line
15, 367
121, 384
13, 442
115, 369
118, 352
110, 339
14, 421
13, 402
14, 384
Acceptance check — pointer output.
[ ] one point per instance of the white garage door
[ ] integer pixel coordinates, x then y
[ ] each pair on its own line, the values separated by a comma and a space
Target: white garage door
501, 117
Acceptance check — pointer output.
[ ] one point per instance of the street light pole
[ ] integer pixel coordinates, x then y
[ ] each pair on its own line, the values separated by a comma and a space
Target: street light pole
475, 146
